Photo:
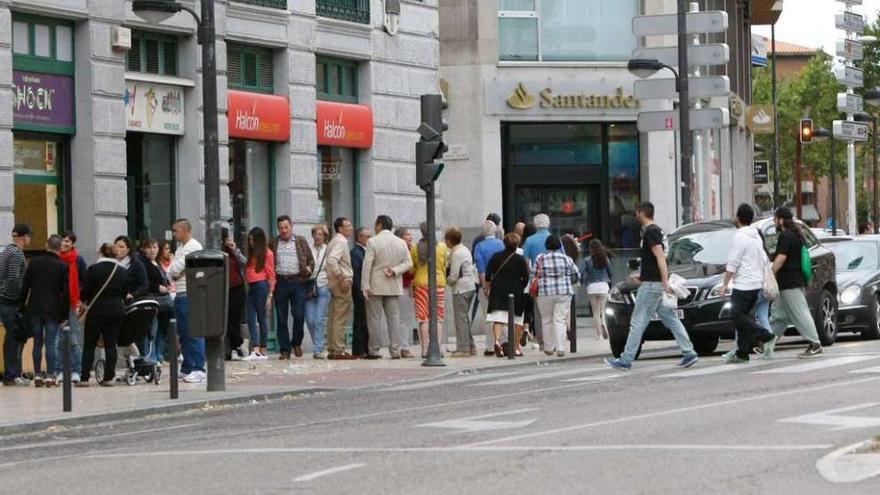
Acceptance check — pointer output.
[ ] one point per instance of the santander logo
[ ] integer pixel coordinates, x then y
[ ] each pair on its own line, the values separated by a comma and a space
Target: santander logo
334, 130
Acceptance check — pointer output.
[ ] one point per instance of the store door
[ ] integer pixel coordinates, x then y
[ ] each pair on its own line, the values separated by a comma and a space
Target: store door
151, 185
250, 187
39, 200
572, 208
337, 192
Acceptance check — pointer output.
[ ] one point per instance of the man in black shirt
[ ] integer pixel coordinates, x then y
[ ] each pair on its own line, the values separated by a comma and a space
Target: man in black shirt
12, 271
790, 308
654, 278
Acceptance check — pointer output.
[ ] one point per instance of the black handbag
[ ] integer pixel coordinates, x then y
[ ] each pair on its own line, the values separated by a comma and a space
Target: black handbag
311, 285
22, 331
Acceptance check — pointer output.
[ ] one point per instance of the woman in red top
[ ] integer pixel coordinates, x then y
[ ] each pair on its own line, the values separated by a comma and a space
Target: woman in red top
260, 277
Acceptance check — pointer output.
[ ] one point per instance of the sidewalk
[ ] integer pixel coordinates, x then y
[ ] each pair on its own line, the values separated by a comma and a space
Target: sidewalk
31, 409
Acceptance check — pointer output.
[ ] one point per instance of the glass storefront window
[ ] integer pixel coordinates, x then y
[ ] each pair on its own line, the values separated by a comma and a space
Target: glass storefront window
518, 38
151, 200
571, 208
555, 144
337, 180
623, 183
250, 187
36, 156
37, 191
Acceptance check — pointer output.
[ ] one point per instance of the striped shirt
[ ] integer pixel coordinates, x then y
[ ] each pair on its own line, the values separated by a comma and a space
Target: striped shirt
12, 267
555, 272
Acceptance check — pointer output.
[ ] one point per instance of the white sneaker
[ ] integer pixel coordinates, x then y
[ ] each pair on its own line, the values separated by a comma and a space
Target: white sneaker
236, 356
75, 378
195, 377
262, 357
253, 356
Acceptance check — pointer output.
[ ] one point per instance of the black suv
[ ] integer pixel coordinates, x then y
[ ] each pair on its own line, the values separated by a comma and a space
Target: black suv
698, 252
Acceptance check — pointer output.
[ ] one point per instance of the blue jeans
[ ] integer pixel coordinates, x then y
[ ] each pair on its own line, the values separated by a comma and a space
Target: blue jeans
12, 348
76, 345
762, 311
45, 332
648, 302
258, 293
316, 318
290, 298
193, 348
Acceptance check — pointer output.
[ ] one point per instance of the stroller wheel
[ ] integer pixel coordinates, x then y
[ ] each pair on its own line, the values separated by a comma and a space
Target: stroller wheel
131, 379
99, 370
157, 376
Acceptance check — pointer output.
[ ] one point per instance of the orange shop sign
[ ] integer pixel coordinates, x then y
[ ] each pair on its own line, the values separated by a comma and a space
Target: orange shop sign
259, 117
345, 124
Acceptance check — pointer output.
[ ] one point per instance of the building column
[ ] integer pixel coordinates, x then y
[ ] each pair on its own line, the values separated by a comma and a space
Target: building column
7, 180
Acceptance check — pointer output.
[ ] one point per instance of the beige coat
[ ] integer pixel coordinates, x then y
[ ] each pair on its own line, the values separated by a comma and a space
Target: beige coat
338, 263
385, 250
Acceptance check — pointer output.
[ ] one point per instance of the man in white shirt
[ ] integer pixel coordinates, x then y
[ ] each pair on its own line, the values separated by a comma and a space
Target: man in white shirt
193, 366
745, 266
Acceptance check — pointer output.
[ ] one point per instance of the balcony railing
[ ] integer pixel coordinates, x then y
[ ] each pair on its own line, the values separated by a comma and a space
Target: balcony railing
274, 4
347, 10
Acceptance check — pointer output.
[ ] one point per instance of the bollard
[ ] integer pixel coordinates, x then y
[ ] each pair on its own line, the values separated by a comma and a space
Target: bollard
66, 385
511, 327
573, 343
173, 344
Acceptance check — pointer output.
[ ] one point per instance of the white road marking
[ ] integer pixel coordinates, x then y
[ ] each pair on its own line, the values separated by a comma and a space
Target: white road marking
451, 381
875, 369
818, 364
318, 474
96, 438
597, 378
842, 466
711, 370
478, 423
539, 376
839, 421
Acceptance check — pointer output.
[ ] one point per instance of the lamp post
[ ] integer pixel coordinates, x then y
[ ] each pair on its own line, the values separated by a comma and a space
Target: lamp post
157, 11
872, 97
872, 119
643, 68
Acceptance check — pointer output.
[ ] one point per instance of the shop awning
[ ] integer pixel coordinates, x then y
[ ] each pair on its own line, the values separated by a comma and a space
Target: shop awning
344, 124
259, 117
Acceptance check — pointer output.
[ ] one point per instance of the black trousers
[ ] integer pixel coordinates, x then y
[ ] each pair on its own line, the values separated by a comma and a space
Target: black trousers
237, 297
742, 302
100, 325
359, 332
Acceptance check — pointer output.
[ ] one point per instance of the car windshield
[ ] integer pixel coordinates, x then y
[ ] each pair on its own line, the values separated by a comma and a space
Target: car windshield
702, 247
854, 255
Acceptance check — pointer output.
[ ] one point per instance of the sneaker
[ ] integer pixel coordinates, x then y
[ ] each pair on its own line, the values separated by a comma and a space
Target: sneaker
50, 382
688, 361
812, 350
734, 359
38, 381
75, 378
618, 364
195, 377
729, 354
560, 353
262, 357
253, 356
17, 382
236, 355
320, 355
769, 348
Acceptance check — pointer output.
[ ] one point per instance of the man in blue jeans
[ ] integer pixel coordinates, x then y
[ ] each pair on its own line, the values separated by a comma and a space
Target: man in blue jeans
12, 272
294, 264
654, 279
193, 366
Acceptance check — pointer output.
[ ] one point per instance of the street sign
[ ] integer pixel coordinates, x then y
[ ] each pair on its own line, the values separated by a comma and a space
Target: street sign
667, 120
759, 119
848, 103
665, 88
850, 49
761, 173
829, 224
846, 130
850, 76
713, 21
708, 54
850, 21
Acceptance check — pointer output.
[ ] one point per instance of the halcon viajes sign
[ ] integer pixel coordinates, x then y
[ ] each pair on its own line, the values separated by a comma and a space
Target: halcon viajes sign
42, 102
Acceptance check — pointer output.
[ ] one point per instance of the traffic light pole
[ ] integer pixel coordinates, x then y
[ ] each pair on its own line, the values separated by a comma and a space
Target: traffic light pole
433, 358
684, 107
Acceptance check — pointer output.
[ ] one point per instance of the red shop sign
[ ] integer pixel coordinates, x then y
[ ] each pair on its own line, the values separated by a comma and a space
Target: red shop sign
258, 116
345, 124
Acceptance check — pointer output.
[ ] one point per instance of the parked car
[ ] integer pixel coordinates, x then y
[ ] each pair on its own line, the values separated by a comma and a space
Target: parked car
827, 235
698, 252
858, 277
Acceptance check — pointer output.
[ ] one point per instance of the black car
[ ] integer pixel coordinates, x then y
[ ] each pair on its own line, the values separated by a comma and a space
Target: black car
858, 277
698, 252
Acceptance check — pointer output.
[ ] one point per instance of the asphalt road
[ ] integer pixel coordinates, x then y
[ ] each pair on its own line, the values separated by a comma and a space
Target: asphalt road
576, 427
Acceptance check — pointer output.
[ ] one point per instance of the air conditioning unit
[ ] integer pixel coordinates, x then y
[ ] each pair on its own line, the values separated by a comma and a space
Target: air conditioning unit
120, 38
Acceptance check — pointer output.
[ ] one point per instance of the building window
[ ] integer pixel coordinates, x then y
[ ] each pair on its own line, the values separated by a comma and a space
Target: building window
152, 53
41, 44
249, 68
336, 79
347, 10
566, 30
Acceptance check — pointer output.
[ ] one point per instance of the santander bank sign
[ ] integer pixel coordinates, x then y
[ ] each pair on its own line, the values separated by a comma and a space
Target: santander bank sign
344, 124
258, 117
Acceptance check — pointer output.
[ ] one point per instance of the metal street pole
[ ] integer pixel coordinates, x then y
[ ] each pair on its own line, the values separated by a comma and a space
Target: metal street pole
776, 201
833, 186
433, 358
874, 182
687, 145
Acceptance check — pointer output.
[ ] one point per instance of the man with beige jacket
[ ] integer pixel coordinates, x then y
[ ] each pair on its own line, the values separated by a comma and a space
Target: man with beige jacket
339, 275
386, 260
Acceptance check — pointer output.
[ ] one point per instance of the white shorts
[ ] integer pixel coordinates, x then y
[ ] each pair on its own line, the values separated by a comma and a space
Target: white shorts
499, 316
598, 288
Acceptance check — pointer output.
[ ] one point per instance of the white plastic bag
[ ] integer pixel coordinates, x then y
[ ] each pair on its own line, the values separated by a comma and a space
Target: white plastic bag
670, 300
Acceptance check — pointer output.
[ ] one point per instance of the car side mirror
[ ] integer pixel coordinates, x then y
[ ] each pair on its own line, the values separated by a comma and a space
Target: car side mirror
634, 263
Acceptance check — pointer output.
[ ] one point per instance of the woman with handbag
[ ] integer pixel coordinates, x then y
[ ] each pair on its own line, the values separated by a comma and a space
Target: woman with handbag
554, 276
318, 293
259, 273
506, 274
103, 296
596, 277
158, 288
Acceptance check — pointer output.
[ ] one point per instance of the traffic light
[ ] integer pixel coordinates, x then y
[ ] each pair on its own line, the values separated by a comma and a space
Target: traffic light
806, 132
430, 147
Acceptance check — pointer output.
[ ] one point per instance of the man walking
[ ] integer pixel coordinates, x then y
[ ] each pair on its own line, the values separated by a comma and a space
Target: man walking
484, 251
535, 246
745, 266
339, 274
654, 278
193, 366
385, 261
359, 330
12, 273
462, 282
294, 264
76, 266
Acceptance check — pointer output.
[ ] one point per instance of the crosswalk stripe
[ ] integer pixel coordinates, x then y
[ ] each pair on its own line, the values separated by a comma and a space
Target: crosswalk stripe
818, 364
453, 380
597, 378
722, 368
875, 369
539, 376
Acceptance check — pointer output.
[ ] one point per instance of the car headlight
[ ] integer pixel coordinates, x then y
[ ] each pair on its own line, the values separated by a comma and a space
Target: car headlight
850, 294
616, 296
715, 293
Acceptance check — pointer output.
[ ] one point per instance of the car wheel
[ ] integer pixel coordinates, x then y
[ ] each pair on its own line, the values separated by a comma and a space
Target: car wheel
617, 339
705, 345
873, 331
826, 319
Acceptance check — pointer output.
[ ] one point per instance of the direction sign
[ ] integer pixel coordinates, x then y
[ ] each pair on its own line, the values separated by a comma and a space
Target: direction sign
849, 131
851, 49
667, 120
698, 86
709, 54
850, 76
850, 21
713, 21
848, 103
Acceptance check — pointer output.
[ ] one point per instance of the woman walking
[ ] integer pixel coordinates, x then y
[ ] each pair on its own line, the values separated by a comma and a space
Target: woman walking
157, 288
556, 273
462, 280
260, 277
596, 277
103, 296
419, 255
318, 302
506, 274
407, 305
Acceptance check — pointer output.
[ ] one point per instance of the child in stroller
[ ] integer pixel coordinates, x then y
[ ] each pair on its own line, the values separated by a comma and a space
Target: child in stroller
134, 336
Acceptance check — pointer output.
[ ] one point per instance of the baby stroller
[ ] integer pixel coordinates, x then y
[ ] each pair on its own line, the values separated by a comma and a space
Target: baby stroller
137, 321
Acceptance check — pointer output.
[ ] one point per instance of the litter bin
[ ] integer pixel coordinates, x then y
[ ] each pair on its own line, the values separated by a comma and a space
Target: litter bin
207, 291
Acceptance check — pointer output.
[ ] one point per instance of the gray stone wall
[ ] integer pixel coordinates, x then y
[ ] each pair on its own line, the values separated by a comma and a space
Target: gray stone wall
7, 188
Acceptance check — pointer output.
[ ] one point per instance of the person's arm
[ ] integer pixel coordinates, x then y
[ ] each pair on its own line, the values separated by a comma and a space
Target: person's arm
657, 250
778, 262
240, 257
89, 288
143, 284
25, 287
454, 269
65, 291
734, 260
782, 252
334, 255
405, 263
178, 264
367, 269
269, 268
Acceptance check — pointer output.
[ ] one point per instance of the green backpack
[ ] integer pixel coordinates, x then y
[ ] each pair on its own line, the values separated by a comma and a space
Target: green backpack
806, 264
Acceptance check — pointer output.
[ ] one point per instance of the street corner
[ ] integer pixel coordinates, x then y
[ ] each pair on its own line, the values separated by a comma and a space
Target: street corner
853, 463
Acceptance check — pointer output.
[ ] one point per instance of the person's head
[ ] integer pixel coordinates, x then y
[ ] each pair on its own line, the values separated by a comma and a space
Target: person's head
405, 234
784, 219
528, 231
285, 227
452, 236
68, 241
488, 229
123, 247
343, 226
519, 228
53, 244
511, 242
150, 248
164, 251
107, 250
320, 234
362, 235
257, 247
182, 230
745, 215
645, 213
494, 218
383, 222
598, 254
570, 245
542, 221
553, 243
21, 235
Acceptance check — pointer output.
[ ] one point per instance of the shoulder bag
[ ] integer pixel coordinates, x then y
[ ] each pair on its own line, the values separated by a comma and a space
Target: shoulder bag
312, 283
535, 284
85, 311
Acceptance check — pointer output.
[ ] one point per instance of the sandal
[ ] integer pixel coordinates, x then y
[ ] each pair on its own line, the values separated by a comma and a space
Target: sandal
498, 351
